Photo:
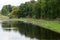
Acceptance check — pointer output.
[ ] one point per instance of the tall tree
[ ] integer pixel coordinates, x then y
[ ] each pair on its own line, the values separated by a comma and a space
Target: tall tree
6, 9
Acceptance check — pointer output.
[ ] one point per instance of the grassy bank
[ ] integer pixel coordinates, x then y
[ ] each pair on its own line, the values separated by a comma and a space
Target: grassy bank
52, 25
3, 17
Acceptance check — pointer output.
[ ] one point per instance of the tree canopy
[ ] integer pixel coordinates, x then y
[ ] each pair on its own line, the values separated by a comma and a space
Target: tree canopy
40, 9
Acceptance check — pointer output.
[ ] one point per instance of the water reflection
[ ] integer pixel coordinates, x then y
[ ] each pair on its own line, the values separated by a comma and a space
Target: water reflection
19, 30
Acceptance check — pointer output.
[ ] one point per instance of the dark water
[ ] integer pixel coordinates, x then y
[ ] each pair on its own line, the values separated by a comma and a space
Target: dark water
18, 30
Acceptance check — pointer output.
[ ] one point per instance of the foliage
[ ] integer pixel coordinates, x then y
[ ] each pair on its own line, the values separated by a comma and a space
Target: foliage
40, 9
6, 9
13, 14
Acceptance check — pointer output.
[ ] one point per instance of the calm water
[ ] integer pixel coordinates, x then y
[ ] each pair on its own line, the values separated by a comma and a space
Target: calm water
17, 30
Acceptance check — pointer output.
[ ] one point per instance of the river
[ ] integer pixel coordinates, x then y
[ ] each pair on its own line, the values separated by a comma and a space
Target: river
17, 30
5, 34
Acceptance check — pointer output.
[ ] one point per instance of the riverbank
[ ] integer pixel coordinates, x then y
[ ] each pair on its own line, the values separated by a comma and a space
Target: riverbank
51, 25
3, 17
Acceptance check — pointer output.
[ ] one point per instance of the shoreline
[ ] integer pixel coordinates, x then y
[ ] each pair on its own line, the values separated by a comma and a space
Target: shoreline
43, 23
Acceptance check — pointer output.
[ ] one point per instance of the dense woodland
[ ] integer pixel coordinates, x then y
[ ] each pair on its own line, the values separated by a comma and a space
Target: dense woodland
40, 9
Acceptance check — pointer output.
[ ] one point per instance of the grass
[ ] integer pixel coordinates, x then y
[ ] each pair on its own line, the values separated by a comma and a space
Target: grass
54, 26
3, 17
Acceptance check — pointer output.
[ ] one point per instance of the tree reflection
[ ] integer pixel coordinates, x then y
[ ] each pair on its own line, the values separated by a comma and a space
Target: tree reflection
32, 31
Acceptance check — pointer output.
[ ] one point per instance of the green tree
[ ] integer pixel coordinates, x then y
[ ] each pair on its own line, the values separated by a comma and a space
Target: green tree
6, 9
14, 13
